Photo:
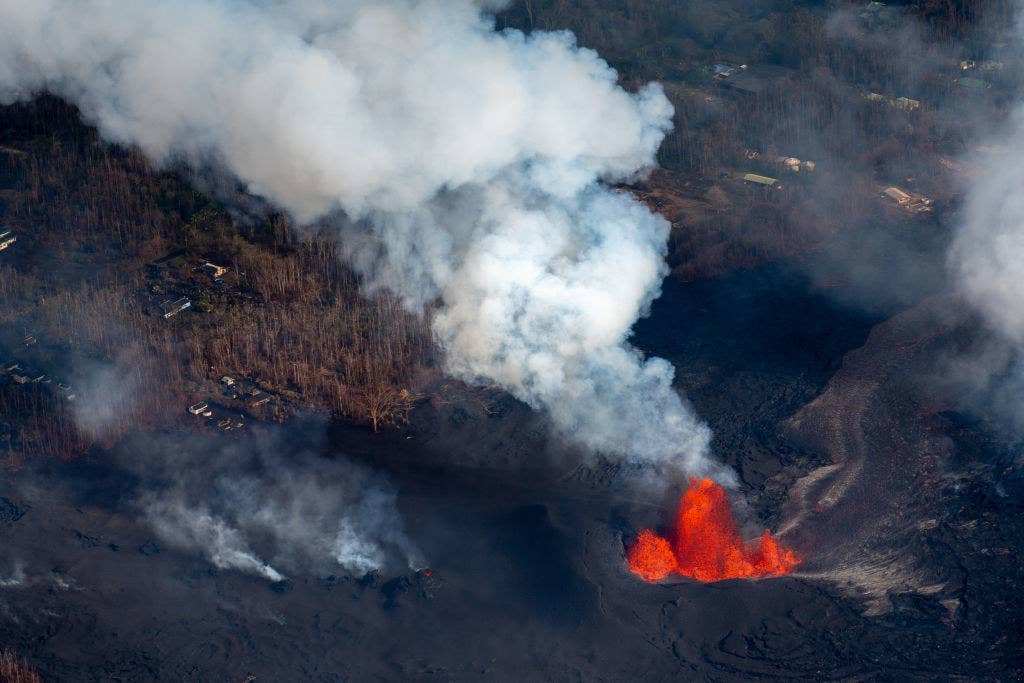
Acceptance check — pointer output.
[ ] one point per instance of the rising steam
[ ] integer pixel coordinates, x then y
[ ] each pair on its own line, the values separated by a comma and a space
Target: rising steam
267, 503
987, 259
988, 253
466, 167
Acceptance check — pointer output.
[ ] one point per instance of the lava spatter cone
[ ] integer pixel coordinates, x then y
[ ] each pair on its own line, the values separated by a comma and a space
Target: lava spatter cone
705, 543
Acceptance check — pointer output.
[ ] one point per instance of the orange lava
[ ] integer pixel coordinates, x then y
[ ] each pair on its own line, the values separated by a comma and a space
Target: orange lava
651, 556
706, 545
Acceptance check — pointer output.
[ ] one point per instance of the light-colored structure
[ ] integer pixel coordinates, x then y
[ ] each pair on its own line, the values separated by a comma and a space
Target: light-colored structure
214, 270
760, 179
904, 104
910, 201
171, 308
199, 408
897, 195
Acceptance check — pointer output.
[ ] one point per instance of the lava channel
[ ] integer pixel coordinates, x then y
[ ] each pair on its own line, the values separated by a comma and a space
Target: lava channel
705, 543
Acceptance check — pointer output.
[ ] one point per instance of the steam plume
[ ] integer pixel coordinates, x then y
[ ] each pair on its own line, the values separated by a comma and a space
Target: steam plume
466, 167
987, 258
267, 504
988, 254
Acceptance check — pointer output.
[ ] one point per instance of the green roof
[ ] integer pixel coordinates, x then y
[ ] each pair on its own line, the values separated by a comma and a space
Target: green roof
759, 179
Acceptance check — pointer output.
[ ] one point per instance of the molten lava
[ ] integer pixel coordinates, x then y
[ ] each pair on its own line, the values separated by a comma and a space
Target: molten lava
706, 545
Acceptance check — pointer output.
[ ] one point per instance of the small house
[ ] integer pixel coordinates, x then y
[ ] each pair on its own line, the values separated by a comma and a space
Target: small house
760, 180
227, 381
897, 195
906, 104
910, 201
7, 238
171, 308
199, 408
720, 71
794, 165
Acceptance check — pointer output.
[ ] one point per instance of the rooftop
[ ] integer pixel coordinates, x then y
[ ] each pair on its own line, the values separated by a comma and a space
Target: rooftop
759, 179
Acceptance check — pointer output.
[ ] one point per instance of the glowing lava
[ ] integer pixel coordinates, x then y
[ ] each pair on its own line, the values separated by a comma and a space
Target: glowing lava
706, 545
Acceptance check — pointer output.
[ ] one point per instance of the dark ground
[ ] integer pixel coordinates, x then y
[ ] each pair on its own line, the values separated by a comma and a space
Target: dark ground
528, 580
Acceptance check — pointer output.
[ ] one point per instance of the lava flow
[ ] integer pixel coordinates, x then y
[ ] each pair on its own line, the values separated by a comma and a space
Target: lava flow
706, 545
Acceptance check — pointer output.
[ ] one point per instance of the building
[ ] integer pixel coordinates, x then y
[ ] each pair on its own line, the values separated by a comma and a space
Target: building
216, 272
794, 165
202, 408
171, 308
719, 71
791, 164
897, 195
756, 79
760, 180
989, 66
7, 238
912, 202
904, 104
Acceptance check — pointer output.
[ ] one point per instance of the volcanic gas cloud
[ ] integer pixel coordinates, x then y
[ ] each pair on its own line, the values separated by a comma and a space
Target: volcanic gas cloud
705, 543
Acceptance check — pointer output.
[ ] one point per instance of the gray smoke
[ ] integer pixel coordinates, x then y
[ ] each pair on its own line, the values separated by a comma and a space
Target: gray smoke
16, 578
987, 260
106, 393
467, 168
988, 253
266, 503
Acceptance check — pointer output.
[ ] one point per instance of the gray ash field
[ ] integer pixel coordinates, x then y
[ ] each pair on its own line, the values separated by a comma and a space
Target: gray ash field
525, 575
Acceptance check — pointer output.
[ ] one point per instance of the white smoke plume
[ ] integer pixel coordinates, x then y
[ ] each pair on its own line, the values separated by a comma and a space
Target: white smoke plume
268, 504
988, 253
16, 579
987, 258
224, 545
105, 393
467, 168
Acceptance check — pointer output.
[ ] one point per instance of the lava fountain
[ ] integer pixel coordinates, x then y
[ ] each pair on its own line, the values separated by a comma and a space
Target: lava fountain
705, 543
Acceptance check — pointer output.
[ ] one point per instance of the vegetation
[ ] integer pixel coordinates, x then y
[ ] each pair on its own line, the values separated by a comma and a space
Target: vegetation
831, 57
14, 670
103, 238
